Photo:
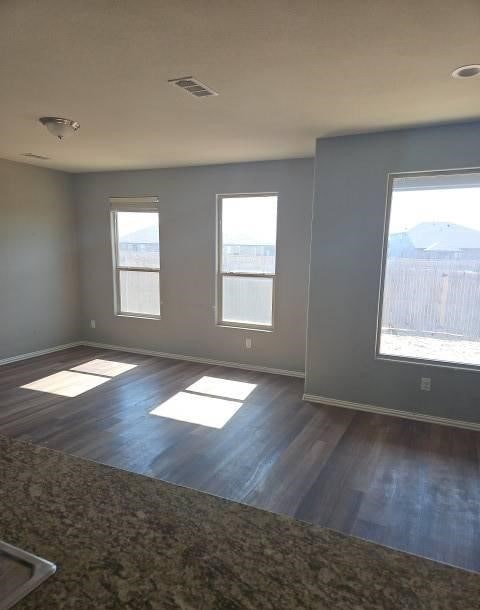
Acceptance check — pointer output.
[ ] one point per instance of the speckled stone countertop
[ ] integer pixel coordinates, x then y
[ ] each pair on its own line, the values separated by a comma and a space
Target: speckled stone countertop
126, 541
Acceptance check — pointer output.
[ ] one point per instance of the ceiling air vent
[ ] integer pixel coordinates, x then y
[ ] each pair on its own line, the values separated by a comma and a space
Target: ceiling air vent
34, 156
193, 86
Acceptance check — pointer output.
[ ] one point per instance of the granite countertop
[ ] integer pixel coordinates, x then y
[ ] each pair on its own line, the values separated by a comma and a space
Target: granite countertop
127, 541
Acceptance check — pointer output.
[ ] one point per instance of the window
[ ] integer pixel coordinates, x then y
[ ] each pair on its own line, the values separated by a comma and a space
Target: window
430, 305
247, 235
136, 257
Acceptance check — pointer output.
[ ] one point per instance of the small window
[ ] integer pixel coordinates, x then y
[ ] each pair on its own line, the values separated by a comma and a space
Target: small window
430, 305
136, 259
247, 235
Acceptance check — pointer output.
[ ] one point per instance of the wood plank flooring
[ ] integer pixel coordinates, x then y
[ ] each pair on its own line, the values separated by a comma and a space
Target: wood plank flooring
410, 485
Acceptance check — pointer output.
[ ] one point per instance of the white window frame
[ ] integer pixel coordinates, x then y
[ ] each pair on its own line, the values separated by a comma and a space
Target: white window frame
410, 359
131, 204
220, 274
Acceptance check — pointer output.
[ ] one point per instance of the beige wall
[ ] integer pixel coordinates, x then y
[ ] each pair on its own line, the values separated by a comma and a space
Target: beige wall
39, 296
187, 209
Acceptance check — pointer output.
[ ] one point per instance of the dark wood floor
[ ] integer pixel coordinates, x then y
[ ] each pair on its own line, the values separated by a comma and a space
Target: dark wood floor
409, 485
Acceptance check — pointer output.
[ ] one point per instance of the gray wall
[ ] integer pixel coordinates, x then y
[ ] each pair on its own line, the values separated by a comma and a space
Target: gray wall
39, 282
187, 208
349, 207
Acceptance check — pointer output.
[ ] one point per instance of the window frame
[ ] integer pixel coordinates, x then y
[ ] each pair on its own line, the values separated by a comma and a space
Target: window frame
378, 355
136, 204
219, 321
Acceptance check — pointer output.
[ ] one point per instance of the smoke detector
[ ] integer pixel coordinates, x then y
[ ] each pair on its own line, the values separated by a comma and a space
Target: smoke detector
58, 127
192, 86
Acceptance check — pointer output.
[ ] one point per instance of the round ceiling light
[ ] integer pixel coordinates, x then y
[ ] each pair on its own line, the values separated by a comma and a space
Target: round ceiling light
58, 127
469, 71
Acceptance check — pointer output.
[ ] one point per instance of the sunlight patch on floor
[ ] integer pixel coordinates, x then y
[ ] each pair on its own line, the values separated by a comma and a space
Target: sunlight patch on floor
224, 388
107, 368
197, 409
66, 383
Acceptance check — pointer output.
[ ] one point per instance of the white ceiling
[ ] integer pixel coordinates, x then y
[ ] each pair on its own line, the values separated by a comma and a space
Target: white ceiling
287, 71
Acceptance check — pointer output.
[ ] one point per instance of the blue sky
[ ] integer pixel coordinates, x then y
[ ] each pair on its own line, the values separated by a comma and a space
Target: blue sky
460, 206
249, 220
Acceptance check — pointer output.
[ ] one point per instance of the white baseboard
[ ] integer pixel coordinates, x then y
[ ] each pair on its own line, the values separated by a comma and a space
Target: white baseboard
146, 352
40, 352
357, 406
234, 365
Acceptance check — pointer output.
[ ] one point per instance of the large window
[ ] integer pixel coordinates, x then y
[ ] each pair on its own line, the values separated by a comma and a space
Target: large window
430, 306
136, 257
247, 236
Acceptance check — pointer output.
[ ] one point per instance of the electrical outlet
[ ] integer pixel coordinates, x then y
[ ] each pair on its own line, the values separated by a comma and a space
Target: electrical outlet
92, 323
425, 384
248, 343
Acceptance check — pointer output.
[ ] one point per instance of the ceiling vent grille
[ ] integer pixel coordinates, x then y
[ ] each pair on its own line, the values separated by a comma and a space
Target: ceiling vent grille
192, 86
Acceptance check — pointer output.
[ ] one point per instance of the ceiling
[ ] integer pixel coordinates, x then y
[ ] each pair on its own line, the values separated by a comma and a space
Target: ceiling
287, 72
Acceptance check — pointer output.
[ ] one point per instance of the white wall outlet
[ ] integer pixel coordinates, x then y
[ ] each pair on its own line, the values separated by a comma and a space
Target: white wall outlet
92, 323
425, 384
248, 343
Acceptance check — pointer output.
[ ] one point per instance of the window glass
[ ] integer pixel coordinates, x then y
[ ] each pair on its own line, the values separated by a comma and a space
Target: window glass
431, 292
247, 300
137, 262
138, 239
248, 235
139, 292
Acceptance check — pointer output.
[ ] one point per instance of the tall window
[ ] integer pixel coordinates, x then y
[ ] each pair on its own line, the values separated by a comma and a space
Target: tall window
136, 257
430, 308
247, 236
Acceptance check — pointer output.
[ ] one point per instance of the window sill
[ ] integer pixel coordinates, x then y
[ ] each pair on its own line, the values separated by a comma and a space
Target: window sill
137, 317
249, 328
458, 366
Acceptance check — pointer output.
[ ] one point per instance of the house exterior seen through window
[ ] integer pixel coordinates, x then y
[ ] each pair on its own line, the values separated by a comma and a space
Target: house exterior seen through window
430, 298
136, 259
247, 237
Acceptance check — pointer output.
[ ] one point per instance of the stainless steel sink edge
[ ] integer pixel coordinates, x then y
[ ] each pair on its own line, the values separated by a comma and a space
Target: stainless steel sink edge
42, 569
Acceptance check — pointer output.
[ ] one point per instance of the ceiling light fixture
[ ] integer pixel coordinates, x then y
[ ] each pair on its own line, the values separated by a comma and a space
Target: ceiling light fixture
58, 127
469, 71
